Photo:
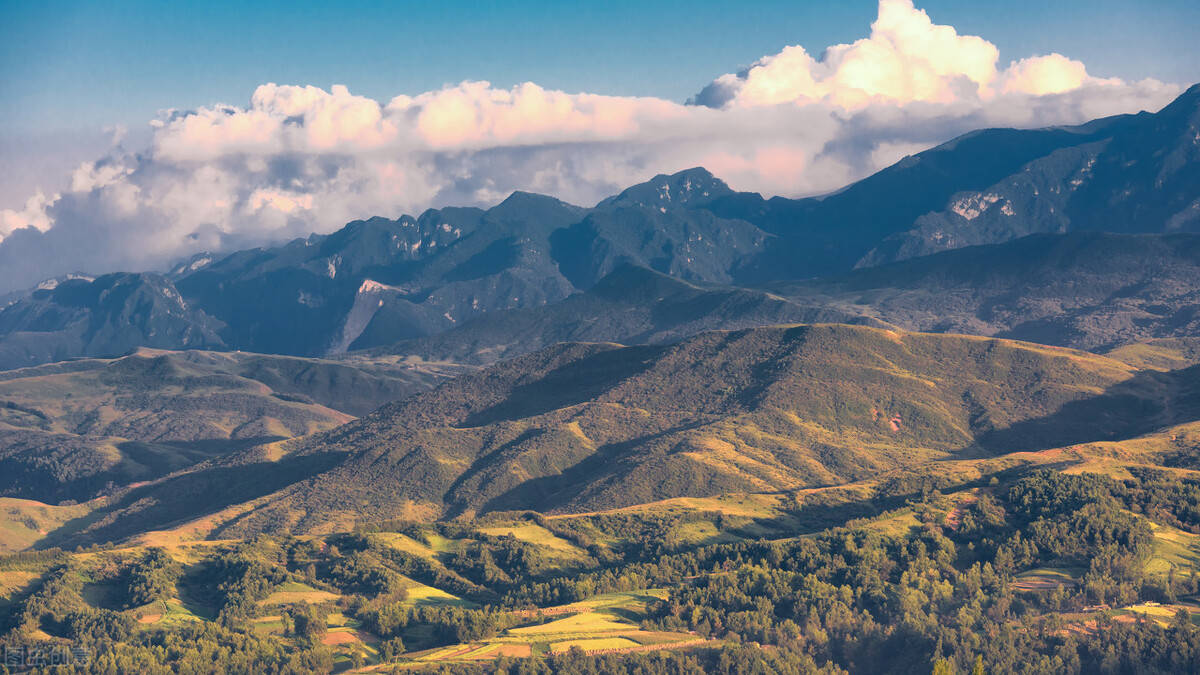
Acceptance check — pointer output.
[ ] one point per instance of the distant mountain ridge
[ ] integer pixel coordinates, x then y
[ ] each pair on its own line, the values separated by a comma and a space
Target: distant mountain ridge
108, 316
1127, 173
1087, 290
376, 282
631, 305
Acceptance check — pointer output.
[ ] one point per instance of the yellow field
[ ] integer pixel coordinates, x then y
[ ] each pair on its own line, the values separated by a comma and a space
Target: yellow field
634, 601
898, 524
538, 536
1172, 549
1158, 613
24, 522
420, 594
609, 621
587, 622
593, 644
312, 597
13, 582
402, 543
175, 612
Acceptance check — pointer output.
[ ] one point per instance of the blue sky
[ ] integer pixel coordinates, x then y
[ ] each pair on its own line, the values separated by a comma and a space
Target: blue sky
79, 65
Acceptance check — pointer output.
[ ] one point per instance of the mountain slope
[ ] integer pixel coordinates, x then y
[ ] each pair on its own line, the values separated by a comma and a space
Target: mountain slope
585, 426
1085, 290
632, 305
1141, 175
1128, 173
378, 281
108, 316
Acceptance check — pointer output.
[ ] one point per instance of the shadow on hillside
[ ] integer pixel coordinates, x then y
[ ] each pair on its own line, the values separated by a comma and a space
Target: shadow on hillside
185, 497
548, 492
182, 454
812, 518
219, 446
1148, 401
576, 382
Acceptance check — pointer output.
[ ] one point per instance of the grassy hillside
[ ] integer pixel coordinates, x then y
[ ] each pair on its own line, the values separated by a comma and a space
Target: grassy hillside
581, 427
77, 429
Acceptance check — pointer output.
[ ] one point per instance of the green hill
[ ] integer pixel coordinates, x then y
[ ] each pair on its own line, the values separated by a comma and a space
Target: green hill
587, 426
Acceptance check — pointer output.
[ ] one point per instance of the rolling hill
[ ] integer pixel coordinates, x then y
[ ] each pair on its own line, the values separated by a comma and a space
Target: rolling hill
580, 427
77, 429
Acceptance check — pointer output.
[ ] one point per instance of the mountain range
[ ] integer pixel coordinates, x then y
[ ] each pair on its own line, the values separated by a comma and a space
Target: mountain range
378, 282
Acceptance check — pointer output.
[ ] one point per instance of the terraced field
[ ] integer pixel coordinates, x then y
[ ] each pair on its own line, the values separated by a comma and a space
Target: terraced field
603, 624
292, 592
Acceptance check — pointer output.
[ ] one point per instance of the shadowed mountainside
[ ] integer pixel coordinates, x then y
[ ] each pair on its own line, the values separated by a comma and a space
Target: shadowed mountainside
1086, 290
109, 316
1128, 173
631, 305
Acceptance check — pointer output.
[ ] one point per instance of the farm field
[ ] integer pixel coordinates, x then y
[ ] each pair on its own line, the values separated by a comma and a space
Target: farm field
607, 623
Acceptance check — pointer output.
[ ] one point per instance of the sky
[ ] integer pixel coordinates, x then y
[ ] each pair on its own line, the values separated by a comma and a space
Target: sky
66, 65
143, 132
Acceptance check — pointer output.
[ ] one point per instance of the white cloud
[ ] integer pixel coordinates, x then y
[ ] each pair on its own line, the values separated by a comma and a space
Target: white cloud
1050, 74
906, 59
33, 216
299, 159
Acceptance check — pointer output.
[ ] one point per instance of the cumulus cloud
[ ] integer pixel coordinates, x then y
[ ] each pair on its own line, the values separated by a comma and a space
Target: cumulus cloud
907, 58
299, 159
33, 216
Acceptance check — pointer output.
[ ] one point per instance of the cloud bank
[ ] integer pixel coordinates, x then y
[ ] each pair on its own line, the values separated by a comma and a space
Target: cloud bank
300, 159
